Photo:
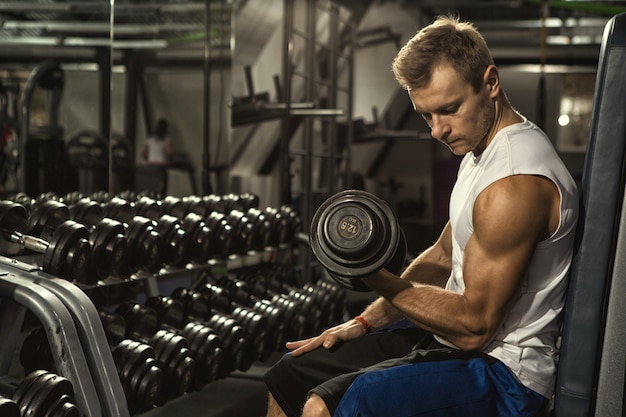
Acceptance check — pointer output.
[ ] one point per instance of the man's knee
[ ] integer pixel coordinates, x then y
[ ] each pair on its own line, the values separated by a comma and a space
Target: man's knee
273, 409
315, 407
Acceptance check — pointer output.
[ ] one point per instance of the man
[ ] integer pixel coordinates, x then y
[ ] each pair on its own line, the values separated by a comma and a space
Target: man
490, 290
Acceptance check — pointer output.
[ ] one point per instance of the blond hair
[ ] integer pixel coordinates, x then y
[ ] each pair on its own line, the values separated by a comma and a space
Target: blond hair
446, 40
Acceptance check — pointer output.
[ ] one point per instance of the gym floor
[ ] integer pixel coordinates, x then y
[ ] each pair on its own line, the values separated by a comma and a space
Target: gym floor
241, 394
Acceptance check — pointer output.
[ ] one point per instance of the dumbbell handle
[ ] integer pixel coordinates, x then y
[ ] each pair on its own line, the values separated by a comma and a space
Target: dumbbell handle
28, 242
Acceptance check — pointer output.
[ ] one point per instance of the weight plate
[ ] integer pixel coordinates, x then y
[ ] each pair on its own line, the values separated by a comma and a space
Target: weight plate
13, 217
354, 234
8, 407
47, 217
149, 385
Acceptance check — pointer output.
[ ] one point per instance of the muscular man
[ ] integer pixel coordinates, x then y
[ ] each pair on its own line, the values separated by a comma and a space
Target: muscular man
484, 301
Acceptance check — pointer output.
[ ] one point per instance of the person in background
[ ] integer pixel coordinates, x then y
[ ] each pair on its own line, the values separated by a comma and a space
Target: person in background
484, 302
157, 152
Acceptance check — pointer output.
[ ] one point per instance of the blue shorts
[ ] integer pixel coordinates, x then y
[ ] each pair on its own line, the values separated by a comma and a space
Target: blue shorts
447, 388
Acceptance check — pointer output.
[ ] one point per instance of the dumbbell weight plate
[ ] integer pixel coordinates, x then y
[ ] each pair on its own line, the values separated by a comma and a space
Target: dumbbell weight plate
145, 245
354, 234
108, 247
119, 209
13, 217
138, 373
63, 407
68, 254
200, 237
149, 383
145, 380
87, 212
45, 391
47, 217
175, 242
8, 407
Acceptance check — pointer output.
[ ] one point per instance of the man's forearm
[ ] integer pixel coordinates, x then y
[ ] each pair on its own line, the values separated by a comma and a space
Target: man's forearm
381, 313
431, 267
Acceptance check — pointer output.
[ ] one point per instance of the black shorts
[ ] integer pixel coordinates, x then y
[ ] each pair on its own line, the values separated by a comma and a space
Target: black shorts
329, 373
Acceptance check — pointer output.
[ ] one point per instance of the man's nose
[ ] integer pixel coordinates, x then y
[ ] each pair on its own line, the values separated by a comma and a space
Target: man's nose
439, 128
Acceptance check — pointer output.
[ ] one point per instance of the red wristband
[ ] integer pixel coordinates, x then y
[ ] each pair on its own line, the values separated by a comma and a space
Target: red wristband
361, 319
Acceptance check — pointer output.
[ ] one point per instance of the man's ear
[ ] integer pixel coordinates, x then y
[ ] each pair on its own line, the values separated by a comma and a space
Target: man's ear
492, 80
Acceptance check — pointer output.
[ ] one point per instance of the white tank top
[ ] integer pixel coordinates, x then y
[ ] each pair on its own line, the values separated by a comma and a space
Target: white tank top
156, 150
526, 340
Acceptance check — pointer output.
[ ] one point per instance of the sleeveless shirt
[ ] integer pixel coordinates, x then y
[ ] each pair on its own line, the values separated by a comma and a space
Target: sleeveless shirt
526, 340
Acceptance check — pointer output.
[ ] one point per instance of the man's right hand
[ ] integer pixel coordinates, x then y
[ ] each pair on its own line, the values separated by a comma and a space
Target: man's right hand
349, 330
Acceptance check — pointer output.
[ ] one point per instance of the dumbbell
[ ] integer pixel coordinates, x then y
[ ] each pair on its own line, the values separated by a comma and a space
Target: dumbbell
108, 248
174, 206
175, 241
204, 344
63, 242
244, 233
24, 199
232, 201
85, 211
222, 234
354, 234
293, 222
141, 378
237, 290
43, 394
8, 407
309, 309
278, 226
195, 305
171, 349
217, 298
200, 238
195, 204
72, 197
117, 208
275, 324
213, 203
206, 347
148, 207
106, 237
145, 246
234, 342
295, 321
262, 226
338, 297
256, 329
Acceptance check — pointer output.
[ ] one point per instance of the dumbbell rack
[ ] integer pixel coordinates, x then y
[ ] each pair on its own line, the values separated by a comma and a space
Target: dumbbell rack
75, 332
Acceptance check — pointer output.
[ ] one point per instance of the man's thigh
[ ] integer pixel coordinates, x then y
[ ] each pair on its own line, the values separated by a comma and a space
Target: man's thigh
292, 378
446, 388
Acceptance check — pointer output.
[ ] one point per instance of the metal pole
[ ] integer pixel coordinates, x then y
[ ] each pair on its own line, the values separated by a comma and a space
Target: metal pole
206, 151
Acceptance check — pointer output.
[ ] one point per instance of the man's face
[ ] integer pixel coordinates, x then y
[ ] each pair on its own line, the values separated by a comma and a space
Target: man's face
457, 115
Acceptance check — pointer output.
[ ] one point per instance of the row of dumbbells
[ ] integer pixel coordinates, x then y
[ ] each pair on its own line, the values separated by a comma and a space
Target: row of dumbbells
174, 344
87, 239
40, 394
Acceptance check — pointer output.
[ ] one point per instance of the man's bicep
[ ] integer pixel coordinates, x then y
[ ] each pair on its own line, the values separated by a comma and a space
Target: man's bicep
510, 218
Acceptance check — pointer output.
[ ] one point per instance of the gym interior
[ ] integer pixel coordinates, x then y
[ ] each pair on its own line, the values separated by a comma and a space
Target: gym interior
136, 289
